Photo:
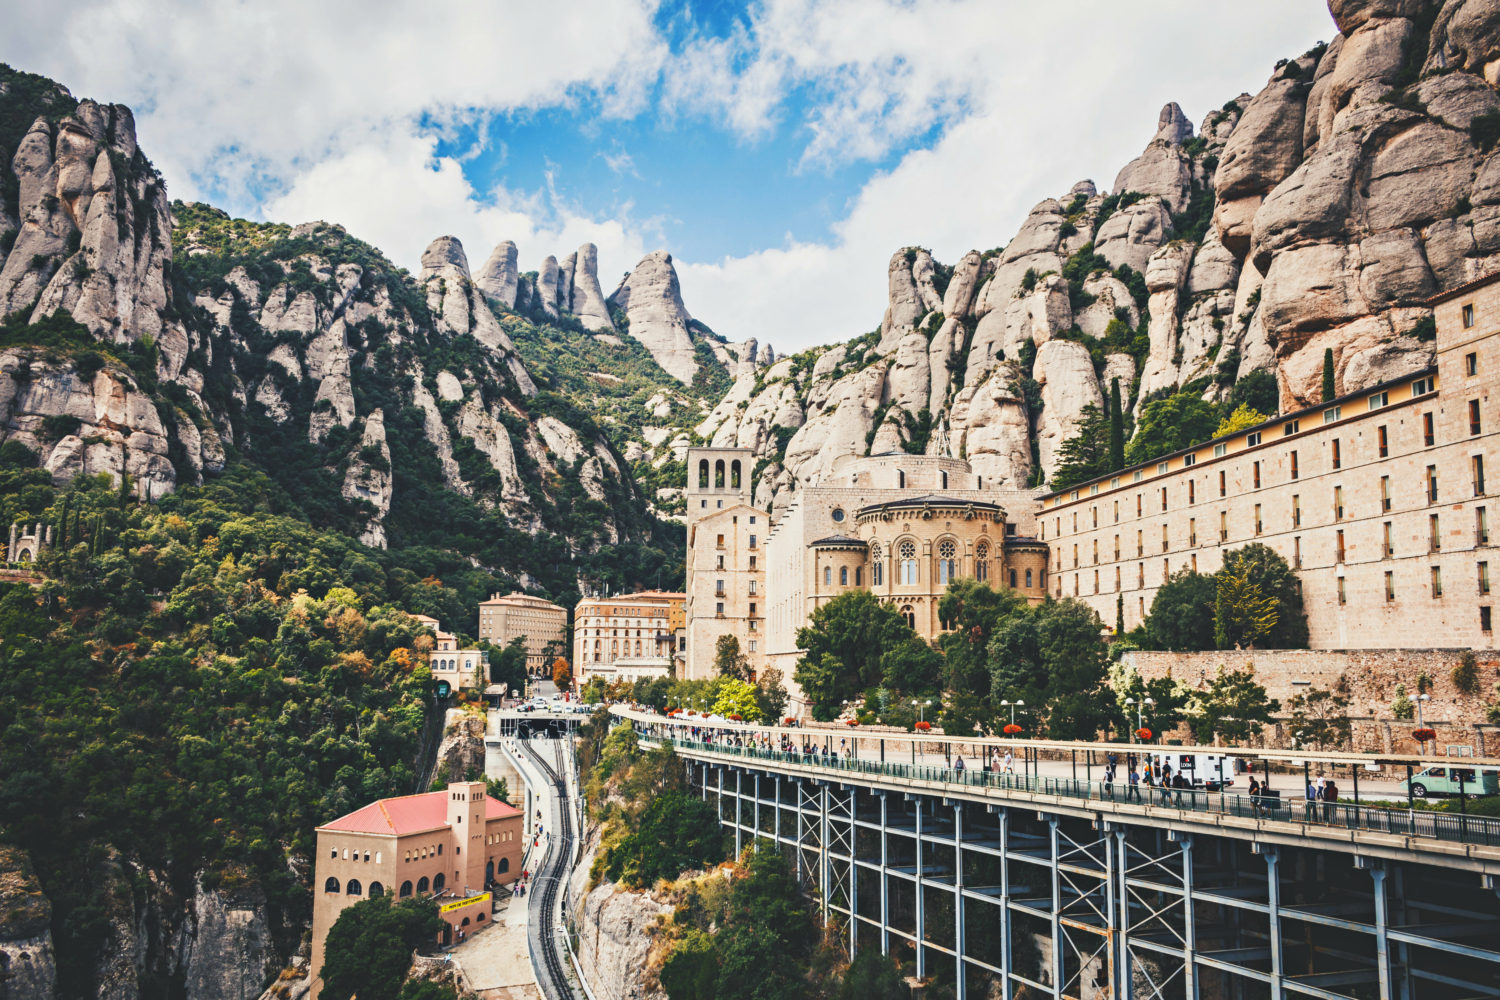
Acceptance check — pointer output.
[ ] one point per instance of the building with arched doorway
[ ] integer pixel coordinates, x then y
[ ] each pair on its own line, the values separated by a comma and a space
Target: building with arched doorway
452, 846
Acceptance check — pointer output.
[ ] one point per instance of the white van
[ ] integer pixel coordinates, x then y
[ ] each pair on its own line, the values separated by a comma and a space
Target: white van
1210, 771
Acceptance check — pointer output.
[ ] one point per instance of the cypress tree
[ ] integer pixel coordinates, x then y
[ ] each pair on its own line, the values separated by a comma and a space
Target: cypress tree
1120, 612
62, 523
1328, 392
1116, 428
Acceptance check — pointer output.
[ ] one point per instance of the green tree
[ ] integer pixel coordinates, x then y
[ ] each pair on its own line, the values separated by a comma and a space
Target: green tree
1116, 428
1328, 382
1401, 704
1074, 656
737, 697
1242, 417
1243, 613
972, 612
845, 640
1085, 455
1466, 673
1169, 700
1320, 718
676, 832
1269, 571
1182, 613
1170, 424
771, 694
508, 665
1257, 390
912, 667
1233, 706
873, 976
369, 946
728, 660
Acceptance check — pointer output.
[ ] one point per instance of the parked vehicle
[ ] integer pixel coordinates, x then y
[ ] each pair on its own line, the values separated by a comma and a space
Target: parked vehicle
1443, 779
1209, 771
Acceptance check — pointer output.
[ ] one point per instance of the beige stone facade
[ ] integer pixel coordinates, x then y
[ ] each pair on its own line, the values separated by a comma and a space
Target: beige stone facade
1381, 500
540, 622
460, 668
628, 637
450, 845
899, 525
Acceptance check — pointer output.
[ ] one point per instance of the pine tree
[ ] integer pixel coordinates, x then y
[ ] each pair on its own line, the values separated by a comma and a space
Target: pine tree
1328, 392
1116, 428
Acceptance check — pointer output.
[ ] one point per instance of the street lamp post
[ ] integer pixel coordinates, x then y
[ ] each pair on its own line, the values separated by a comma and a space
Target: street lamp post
1140, 709
1421, 723
921, 707
1013, 706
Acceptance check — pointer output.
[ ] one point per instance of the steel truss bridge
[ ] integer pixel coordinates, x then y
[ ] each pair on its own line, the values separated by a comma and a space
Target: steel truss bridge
1028, 886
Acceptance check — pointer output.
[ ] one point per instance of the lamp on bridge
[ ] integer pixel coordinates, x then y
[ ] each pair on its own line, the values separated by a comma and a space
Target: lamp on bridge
1140, 709
921, 707
1013, 705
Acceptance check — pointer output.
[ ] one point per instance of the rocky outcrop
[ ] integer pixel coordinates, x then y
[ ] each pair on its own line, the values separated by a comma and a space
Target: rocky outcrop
586, 297
1164, 170
1066, 374
651, 299
460, 308
368, 478
462, 751
616, 928
499, 277
991, 428
28, 969
226, 950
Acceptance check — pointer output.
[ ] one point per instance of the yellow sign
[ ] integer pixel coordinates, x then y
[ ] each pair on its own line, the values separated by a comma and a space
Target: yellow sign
481, 898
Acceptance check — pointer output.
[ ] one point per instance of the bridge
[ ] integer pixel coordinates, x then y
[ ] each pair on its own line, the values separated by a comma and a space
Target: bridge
516, 724
1051, 885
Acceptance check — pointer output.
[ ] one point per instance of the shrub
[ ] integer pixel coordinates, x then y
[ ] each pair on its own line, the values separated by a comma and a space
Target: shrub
1466, 673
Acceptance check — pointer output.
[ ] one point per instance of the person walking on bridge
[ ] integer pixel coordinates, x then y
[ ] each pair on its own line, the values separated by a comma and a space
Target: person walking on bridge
1134, 791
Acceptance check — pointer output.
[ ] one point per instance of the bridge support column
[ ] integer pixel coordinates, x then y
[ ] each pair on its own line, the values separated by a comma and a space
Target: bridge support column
1058, 944
739, 812
885, 860
1005, 951
1189, 921
755, 823
1119, 859
1273, 911
824, 863
921, 902
776, 816
1382, 941
853, 881
960, 986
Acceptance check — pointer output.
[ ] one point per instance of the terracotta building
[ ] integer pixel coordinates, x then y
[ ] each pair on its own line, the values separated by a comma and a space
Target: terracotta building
540, 622
1379, 499
452, 846
627, 637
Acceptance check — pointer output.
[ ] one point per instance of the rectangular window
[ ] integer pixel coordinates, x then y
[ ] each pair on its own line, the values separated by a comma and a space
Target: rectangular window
1096, 581
752, 560
1117, 512
719, 609
1421, 387
1161, 467
1140, 575
1295, 471
1427, 435
1140, 542
1484, 618
1094, 490
1163, 498
1094, 511
752, 585
1252, 439
1390, 586
1343, 598
1114, 482
1117, 579
1381, 441
1166, 570
1332, 413
1484, 577
1192, 492
1135, 477
1291, 427
1117, 546
1338, 503
1257, 519
1096, 552
752, 518
1188, 460
1255, 478
1378, 400
1297, 552
1296, 512
1477, 467
1220, 449
1192, 531
1075, 555
752, 645
1221, 483
752, 607
1437, 581
1468, 314
1137, 505
1432, 484
752, 541
1481, 526
1471, 364
720, 543
1385, 492
1223, 526
1473, 417
1434, 534
1075, 522
1075, 585
1338, 455
1164, 538
1386, 548
1338, 546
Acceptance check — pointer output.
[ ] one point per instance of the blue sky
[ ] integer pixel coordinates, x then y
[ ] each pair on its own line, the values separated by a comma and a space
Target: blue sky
780, 149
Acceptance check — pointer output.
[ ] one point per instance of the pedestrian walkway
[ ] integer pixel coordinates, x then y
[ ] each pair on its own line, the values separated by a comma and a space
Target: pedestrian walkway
496, 961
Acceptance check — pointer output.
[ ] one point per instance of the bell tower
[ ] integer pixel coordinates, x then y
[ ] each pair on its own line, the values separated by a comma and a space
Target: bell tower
717, 478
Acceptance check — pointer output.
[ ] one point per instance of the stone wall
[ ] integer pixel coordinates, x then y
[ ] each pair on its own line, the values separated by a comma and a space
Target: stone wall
1367, 676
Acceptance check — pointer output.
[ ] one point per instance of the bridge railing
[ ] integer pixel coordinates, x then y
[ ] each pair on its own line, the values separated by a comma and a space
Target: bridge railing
1477, 830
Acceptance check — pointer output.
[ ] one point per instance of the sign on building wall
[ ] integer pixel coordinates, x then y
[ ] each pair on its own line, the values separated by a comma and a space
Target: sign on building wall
481, 898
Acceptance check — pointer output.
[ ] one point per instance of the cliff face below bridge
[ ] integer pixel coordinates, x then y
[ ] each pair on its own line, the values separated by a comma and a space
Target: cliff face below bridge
616, 940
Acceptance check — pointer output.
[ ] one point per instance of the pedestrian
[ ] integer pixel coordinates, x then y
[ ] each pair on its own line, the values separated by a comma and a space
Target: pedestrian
1255, 795
1134, 791
958, 763
1010, 762
1109, 781
1330, 800
1178, 784
1166, 784
1310, 806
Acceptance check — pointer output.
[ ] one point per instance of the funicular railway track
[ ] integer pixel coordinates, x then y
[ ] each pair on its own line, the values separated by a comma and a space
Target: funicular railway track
551, 875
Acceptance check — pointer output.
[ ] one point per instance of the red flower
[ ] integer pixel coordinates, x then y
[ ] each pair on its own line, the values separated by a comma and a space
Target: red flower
923, 727
789, 721
851, 722
1011, 729
1424, 734
1143, 733
736, 718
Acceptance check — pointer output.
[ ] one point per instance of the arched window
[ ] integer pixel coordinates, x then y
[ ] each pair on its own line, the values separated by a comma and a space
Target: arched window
504, 865
354, 888
982, 562
614, 649
376, 889
843, 576
900, 480
859, 576
332, 885
1028, 578
909, 616
405, 889
638, 647
464, 923
947, 562
827, 576
907, 554
438, 881
877, 566
719, 474
703, 474
734, 474
1012, 579
377, 857
597, 650
422, 885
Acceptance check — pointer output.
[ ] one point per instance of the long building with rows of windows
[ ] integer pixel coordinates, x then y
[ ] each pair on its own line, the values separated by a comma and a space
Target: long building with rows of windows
1378, 499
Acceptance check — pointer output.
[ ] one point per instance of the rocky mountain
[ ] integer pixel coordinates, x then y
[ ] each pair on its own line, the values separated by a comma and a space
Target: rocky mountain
1318, 214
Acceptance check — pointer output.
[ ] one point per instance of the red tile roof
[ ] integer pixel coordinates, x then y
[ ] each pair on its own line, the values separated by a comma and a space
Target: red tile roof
410, 814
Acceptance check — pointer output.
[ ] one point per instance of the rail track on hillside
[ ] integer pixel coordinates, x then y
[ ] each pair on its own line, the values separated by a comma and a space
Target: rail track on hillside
551, 875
